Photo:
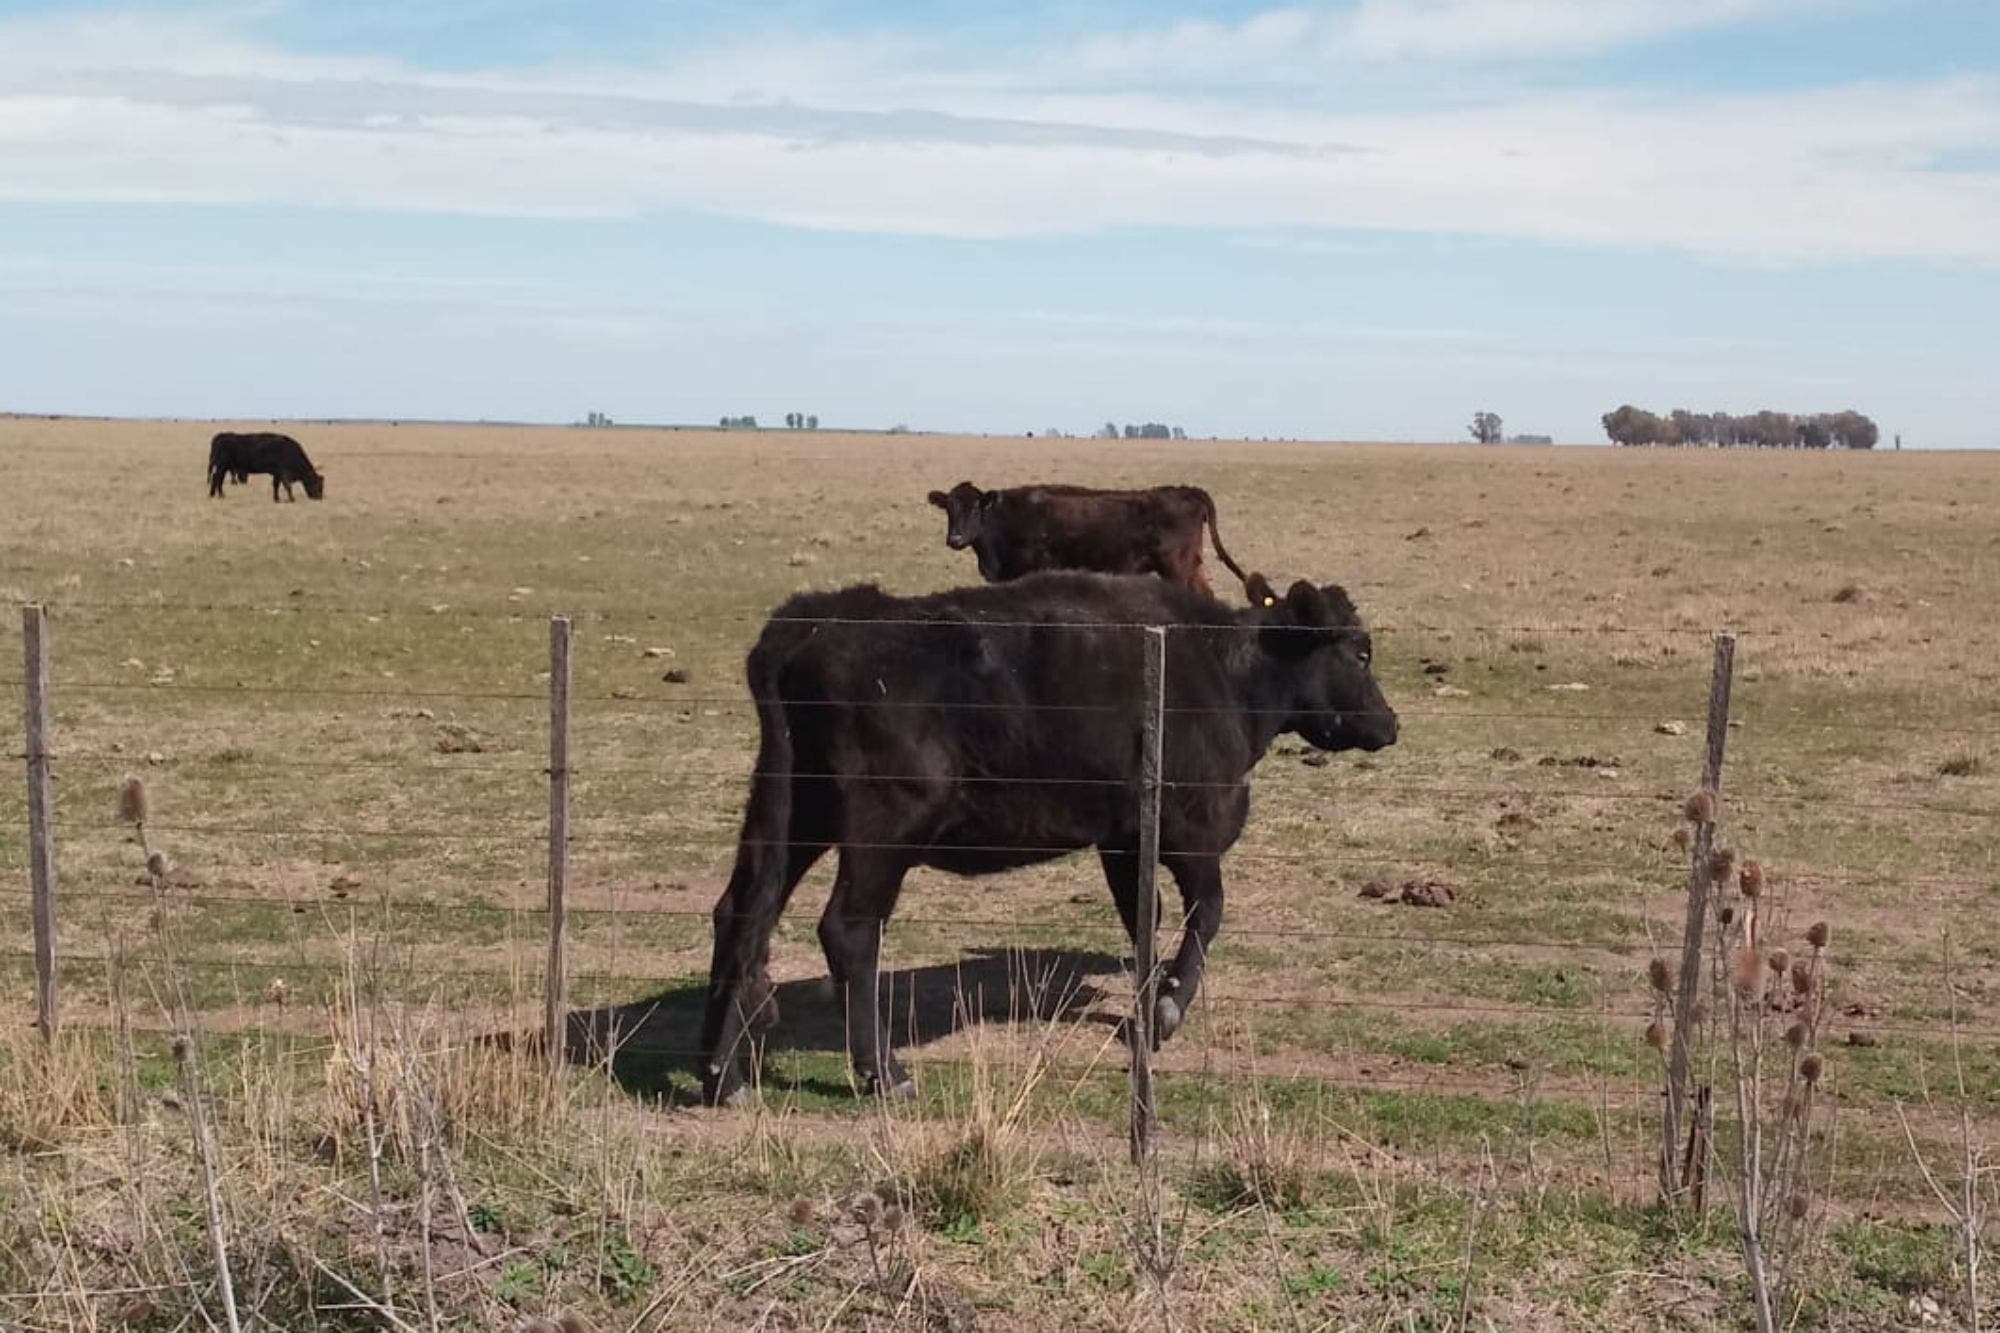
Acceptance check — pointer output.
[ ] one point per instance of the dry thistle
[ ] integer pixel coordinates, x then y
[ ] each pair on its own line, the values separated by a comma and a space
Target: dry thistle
1817, 935
1810, 1067
801, 1212
892, 1217
1751, 878
1721, 863
1656, 1035
1798, 1205
157, 867
1801, 977
1700, 808
1795, 1035
1662, 979
135, 805
1726, 914
277, 992
1682, 838
182, 1047
866, 1209
1749, 972
1781, 961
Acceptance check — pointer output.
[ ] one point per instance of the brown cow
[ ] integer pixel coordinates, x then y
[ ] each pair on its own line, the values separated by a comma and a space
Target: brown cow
1027, 528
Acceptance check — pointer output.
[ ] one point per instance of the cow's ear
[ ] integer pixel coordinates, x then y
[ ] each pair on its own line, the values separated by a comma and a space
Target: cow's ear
1306, 603
987, 499
940, 499
1258, 589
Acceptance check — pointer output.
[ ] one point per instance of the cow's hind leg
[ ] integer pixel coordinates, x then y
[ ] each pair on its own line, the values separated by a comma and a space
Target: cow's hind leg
1200, 881
864, 894
742, 1002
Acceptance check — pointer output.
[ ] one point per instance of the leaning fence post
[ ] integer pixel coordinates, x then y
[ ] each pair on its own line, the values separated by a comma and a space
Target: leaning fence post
41, 837
1146, 911
1697, 916
555, 995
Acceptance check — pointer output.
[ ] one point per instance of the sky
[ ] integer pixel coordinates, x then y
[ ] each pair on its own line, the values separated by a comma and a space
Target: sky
1355, 220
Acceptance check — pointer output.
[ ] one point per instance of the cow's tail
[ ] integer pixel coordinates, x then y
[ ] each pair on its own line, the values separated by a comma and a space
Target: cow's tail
216, 467
1215, 535
741, 1003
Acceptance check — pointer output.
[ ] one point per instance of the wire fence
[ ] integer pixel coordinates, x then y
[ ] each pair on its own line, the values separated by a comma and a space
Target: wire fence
1550, 1006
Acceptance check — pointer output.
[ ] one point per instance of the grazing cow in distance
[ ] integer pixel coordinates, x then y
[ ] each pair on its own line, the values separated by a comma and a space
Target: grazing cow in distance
993, 727
1027, 528
238, 455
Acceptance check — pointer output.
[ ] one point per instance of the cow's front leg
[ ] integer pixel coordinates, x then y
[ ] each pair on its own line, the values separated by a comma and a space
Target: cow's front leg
274, 488
1200, 881
864, 894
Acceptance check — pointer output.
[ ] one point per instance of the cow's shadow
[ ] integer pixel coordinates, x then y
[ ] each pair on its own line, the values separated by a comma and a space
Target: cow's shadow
650, 1045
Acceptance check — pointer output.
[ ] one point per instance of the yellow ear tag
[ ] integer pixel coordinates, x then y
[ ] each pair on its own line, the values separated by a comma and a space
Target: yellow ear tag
1270, 601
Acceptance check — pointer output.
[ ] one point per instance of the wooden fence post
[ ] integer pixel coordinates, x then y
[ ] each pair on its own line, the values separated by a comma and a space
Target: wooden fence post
41, 835
1697, 919
555, 1016
1146, 981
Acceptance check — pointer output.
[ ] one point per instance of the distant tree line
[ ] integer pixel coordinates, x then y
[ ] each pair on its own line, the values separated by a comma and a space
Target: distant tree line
1152, 430
739, 423
801, 421
1765, 429
597, 419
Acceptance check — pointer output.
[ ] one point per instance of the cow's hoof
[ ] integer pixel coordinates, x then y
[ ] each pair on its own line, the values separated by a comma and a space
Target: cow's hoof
896, 1086
725, 1087
1166, 1019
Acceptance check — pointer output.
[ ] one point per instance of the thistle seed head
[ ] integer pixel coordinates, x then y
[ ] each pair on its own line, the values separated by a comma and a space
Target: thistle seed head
1795, 1036
1810, 1067
1798, 1205
1700, 808
134, 803
1801, 977
157, 867
1750, 879
1656, 1035
1780, 961
1818, 935
1721, 864
1660, 976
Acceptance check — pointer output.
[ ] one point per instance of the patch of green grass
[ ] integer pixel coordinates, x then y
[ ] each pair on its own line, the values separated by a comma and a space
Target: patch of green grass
1904, 1258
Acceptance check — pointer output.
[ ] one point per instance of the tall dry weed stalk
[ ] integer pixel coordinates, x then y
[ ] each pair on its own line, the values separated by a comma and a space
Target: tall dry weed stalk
135, 807
1768, 1001
1967, 1203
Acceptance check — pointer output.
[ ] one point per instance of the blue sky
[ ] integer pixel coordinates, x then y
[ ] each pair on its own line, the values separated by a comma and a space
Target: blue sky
1362, 219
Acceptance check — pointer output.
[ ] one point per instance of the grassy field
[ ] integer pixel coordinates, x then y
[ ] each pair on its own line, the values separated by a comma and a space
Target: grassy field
1380, 1116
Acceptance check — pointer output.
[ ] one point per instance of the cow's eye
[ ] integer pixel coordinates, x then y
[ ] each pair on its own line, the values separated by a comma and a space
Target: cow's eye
1366, 656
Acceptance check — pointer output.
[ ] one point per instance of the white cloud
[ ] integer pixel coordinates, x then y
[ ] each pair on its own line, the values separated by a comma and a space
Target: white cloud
1461, 29
101, 111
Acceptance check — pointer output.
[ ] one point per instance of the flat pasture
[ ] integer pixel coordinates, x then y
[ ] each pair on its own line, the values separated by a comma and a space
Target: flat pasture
339, 710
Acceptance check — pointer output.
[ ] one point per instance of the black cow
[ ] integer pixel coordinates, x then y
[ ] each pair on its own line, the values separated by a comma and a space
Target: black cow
1027, 528
232, 454
988, 728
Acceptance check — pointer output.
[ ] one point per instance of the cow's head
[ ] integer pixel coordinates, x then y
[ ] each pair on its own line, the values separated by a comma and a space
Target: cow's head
315, 486
1324, 652
965, 507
